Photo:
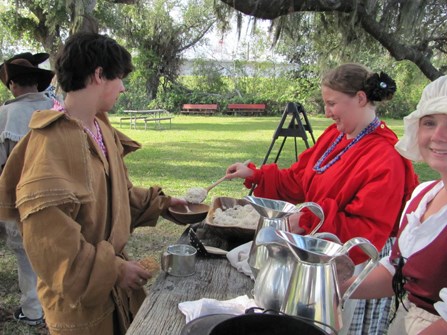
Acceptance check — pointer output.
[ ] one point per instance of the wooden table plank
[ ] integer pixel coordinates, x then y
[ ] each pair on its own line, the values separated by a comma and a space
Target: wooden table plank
215, 278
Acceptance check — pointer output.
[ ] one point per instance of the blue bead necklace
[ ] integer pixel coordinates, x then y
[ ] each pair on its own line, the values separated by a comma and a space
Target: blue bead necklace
369, 129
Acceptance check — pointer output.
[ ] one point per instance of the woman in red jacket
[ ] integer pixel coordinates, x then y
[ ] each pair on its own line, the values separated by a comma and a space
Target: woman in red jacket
353, 172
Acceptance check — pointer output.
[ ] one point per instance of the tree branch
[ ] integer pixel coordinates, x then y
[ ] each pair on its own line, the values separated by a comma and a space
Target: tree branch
397, 49
198, 37
271, 9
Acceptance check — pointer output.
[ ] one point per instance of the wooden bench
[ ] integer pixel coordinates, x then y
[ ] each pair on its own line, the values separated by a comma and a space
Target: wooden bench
204, 109
251, 109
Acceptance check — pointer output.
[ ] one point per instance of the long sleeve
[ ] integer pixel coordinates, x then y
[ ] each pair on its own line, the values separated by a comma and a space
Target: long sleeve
75, 269
281, 184
146, 205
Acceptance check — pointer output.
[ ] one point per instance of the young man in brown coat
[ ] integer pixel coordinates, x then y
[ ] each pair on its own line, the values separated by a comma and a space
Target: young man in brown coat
67, 182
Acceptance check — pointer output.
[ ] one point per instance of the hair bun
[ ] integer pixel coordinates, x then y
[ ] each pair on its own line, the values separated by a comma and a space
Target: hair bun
379, 87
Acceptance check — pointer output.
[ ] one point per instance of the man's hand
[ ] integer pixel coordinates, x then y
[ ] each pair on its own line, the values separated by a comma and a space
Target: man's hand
132, 276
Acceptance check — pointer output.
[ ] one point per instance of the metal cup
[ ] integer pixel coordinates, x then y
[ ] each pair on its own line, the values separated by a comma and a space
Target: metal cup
179, 260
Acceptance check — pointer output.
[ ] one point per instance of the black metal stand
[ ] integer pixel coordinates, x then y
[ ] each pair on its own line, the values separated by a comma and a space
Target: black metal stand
298, 125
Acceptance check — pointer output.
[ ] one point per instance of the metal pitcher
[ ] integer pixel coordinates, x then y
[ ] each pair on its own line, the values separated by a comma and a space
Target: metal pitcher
313, 289
275, 214
273, 278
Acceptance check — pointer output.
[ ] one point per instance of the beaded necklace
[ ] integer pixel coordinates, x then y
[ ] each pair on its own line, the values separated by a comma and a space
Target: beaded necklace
98, 139
369, 129
57, 105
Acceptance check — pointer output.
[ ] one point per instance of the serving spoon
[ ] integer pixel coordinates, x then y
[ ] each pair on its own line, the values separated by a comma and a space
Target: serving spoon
202, 193
209, 188
221, 180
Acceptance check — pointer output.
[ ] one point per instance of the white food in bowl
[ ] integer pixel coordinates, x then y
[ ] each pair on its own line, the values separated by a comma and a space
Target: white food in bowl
237, 215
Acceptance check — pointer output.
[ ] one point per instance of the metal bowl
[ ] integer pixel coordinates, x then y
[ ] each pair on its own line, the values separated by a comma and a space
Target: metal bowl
196, 213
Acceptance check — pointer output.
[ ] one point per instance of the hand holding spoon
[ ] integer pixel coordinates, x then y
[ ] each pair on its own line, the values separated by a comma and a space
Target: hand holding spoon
196, 195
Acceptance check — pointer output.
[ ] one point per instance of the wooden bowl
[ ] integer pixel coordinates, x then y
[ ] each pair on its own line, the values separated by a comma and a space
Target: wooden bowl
238, 232
197, 212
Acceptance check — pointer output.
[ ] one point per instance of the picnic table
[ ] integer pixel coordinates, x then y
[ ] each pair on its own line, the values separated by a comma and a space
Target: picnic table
215, 278
147, 115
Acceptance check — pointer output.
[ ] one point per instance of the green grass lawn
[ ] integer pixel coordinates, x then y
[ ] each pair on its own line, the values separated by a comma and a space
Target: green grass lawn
195, 152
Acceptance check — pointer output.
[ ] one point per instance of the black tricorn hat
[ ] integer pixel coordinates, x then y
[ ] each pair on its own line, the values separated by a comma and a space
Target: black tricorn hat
35, 59
24, 65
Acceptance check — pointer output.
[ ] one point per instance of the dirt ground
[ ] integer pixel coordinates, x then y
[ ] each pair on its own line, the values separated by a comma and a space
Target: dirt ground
145, 242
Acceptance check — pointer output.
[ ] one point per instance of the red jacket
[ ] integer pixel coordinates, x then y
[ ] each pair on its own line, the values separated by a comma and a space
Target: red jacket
362, 194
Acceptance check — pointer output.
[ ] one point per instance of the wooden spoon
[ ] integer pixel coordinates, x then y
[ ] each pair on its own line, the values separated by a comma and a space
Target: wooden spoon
207, 189
215, 184
222, 179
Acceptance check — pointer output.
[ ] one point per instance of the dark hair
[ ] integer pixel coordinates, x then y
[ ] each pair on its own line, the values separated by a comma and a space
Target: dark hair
83, 53
351, 78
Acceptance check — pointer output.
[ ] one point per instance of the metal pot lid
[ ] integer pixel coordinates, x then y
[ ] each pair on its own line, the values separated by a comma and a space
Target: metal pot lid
262, 323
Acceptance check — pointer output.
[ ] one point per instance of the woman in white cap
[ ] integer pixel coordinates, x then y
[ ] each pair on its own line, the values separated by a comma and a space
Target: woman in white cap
416, 270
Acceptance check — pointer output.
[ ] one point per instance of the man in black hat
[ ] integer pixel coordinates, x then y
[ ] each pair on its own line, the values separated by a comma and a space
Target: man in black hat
27, 82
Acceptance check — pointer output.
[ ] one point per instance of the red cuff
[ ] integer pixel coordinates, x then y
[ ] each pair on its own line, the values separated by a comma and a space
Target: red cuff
254, 179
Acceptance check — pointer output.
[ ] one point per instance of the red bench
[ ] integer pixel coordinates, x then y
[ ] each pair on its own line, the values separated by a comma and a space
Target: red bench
207, 109
251, 109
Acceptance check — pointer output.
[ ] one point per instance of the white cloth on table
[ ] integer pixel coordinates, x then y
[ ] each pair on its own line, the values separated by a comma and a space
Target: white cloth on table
204, 306
238, 257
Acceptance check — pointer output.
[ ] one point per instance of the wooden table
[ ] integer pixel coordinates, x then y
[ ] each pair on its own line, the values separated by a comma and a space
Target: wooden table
215, 278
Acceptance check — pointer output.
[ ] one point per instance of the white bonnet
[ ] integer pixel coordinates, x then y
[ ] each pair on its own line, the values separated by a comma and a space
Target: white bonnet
433, 101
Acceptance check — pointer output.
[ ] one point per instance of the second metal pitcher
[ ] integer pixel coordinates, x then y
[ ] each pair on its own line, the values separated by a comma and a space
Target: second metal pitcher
275, 214
313, 290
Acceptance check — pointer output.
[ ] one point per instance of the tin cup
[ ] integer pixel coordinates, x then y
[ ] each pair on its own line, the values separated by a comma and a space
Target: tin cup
179, 260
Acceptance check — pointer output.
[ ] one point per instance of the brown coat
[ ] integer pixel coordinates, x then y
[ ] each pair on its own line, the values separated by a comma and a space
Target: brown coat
77, 210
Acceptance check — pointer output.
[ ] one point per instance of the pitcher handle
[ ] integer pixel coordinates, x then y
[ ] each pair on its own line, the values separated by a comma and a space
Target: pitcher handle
314, 208
328, 236
373, 255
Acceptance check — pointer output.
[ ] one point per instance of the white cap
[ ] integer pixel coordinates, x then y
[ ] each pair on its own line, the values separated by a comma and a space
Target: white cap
433, 101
